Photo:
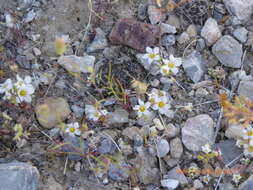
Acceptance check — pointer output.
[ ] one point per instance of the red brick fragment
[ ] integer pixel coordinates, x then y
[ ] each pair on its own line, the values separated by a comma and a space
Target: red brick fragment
135, 34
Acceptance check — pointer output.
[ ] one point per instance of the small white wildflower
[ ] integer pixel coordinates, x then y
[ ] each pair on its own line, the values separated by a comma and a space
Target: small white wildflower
165, 70
206, 179
73, 129
173, 64
206, 148
24, 90
94, 113
152, 55
142, 108
236, 178
136, 188
26, 81
6, 86
248, 133
248, 150
161, 105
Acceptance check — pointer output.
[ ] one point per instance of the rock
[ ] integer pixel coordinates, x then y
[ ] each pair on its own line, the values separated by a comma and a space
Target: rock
152, 187
226, 186
52, 111
246, 89
118, 117
77, 110
36, 51
119, 172
23, 4
163, 148
247, 185
76, 145
168, 40
137, 35
107, 146
111, 52
173, 20
234, 131
237, 76
169, 183
242, 9
51, 184
77, 64
177, 174
200, 44
30, 16
130, 132
197, 132
228, 51
142, 11
241, 34
171, 131
195, 66
229, 151
176, 150
192, 31
183, 38
168, 29
99, 42
211, 32
171, 162
156, 15
197, 184
19, 175
23, 62
201, 93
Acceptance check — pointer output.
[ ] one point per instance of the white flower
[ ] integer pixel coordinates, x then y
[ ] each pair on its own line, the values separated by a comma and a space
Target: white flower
20, 82
248, 150
73, 129
165, 70
152, 55
142, 108
94, 113
173, 64
248, 133
161, 105
206, 179
206, 148
6, 86
24, 89
236, 178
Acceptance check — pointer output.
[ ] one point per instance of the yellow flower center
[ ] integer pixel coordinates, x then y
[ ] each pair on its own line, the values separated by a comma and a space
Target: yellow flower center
250, 133
171, 65
152, 100
142, 108
161, 104
72, 129
152, 55
22, 93
165, 71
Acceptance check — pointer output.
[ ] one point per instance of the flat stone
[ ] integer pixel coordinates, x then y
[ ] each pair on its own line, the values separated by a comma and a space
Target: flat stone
176, 150
246, 89
168, 29
171, 131
52, 111
183, 38
168, 40
99, 42
228, 51
211, 32
19, 176
192, 31
118, 117
177, 174
163, 148
247, 185
156, 15
197, 132
226, 186
107, 146
195, 66
241, 34
77, 64
234, 131
137, 35
169, 183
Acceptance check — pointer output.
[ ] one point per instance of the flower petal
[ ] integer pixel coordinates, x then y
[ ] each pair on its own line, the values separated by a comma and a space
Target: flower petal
149, 50
156, 50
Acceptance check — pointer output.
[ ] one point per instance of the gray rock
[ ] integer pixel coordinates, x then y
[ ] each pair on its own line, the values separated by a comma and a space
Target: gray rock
171, 131
200, 44
241, 9
155, 14
226, 186
118, 117
119, 172
169, 183
77, 64
51, 184
192, 31
23, 62
236, 77
211, 32
152, 187
247, 185
77, 110
228, 51
229, 151
25, 3
176, 146
19, 176
99, 42
197, 184
168, 29
163, 148
168, 40
142, 11
173, 20
197, 132
111, 52
246, 89
195, 66
241, 34
183, 38
107, 146
177, 174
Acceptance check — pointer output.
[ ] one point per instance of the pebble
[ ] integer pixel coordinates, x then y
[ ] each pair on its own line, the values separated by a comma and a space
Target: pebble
107, 146
77, 64
99, 42
228, 51
131, 132
197, 132
173, 20
152, 187
111, 52
229, 150
23, 4
52, 111
155, 15
195, 66
169, 183
177, 174
211, 32
142, 11
237, 76
234, 131
77, 110
19, 175
176, 149
135, 34
247, 185
163, 148
192, 31
168, 40
183, 38
197, 184
201, 93
36, 52
168, 29
241, 34
200, 44
119, 172
226, 186
51, 184
118, 117
245, 88
171, 131
23, 62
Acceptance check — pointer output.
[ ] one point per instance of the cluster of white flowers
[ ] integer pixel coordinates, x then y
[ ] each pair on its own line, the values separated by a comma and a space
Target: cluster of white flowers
158, 100
22, 89
73, 129
167, 67
247, 141
95, 112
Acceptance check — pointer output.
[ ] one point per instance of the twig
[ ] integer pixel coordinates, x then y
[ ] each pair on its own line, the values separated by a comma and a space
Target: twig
218, 125
65, 166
